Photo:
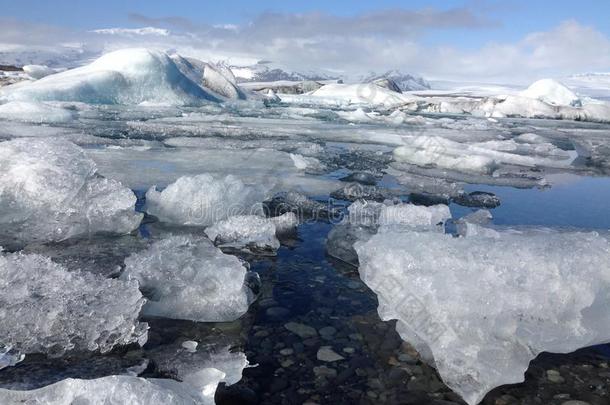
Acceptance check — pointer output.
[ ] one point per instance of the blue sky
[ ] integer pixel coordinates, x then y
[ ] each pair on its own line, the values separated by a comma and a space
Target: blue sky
487, 39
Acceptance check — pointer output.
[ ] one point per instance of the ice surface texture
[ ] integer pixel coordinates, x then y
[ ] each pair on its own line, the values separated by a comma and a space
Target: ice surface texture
127, 76
203, 200
112, 390
481, 307
49, 192
46, 309
189, 278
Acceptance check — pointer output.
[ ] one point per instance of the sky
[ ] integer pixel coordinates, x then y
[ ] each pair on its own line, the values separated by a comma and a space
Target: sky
475, 40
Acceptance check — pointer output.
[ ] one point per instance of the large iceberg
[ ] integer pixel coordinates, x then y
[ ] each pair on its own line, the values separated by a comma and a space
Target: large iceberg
481, 307
127, 76
189, 278
203, 200
49, 191
46, 309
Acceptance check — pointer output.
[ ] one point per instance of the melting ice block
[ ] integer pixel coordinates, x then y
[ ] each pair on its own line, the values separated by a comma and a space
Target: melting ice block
46, 309
49, 192
480, 308
203, 200
190, 278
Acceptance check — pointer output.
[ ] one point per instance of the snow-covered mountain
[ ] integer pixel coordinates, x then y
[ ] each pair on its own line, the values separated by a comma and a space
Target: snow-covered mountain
595, 85
64, 57
265, 71
404, 81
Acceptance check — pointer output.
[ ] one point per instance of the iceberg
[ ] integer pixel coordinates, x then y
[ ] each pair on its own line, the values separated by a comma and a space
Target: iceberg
46, 309
49, 191
472, 306
552, 92
364, 93
126, 76
203, 200
189, 278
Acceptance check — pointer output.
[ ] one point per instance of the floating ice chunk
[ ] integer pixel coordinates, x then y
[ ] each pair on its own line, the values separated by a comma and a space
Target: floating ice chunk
552, 92
474, 223
202, 369
413, 216
481, 157
43, 113
310, 164
112, 390
38, 71
365, 218
253, 232
46, 309
49, 192
284, 223
127, 76
472, 306
300, 205
203, 200
189, 278
443, 153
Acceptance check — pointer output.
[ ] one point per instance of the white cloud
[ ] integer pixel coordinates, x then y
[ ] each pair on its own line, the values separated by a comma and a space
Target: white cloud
391, 39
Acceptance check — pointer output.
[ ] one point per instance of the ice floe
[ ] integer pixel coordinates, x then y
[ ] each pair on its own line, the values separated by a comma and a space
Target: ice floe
46, 309
189, 278
472, 305
49, 191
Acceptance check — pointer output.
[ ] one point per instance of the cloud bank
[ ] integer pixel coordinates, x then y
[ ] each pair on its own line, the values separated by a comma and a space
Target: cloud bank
376, 41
